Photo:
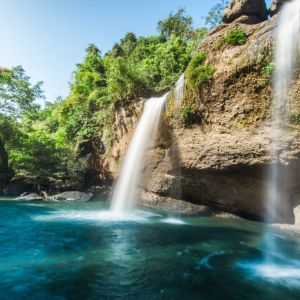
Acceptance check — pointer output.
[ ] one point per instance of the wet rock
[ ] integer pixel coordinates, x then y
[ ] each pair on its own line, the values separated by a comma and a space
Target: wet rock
297, 215
29, 197
72, 196
276, 6
238, 8
168, 204
223, 162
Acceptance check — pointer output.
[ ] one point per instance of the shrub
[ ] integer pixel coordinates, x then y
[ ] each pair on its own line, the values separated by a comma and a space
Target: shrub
294, 118
268, 70
189, 114
198, 73
236, 37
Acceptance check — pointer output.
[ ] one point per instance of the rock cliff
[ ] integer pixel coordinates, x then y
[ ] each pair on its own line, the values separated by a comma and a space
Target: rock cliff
222, 161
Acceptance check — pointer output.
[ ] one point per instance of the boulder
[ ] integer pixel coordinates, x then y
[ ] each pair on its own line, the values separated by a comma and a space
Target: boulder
238, 8
297, 215
276, 6
72, 196
154, 201
29, 197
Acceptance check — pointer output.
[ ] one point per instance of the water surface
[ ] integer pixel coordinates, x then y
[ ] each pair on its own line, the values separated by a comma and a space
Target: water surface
79, 251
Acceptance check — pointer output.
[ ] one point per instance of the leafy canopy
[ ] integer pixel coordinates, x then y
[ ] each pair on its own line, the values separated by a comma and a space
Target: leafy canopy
179, 24
17, 94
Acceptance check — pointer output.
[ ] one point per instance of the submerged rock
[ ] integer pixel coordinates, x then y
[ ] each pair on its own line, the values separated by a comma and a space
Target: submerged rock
72, 196
29, 197
253, 8
276, 6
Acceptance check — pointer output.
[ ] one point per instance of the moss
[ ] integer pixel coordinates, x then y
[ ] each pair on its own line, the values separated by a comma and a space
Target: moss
294, 118
236, 37
198, 73
170, 111
268, 71
189, 115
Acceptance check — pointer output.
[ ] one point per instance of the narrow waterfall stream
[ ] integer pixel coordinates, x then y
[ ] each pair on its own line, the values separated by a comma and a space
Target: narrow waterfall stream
125, 192
179, 91
287, 50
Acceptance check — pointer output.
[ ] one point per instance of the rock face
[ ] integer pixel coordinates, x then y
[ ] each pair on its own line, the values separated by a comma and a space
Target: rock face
238, 8
224, 160
276, 6
72, 196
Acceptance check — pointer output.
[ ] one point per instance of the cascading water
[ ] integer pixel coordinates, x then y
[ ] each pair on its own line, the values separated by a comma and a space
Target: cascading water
126, 188
179, 91
287, 50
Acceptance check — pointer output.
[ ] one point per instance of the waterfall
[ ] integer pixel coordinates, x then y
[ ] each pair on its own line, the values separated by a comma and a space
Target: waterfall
125, 192
287, 50
179, 91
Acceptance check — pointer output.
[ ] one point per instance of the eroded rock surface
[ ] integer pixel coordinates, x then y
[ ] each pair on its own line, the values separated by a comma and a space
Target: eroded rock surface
223, 161
276, 6
238, 8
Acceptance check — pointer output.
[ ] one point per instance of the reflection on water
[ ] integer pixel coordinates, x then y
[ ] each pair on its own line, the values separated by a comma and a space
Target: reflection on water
82, 251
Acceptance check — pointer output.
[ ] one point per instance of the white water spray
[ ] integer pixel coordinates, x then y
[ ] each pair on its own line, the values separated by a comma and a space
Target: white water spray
179, 91
287, 51
125, 192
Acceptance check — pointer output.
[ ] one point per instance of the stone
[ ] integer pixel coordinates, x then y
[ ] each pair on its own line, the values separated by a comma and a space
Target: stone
154, 201
29, 197
297, 215
72, 196
238, 8
250, 20
276, 6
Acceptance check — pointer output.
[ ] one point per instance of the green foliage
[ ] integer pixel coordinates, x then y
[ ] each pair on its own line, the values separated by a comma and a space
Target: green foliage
214, 16
41, 156
268, 71
199, 73
189, 115
176, 24
90, 74
43, 144
294, 118
17, 94
235, 37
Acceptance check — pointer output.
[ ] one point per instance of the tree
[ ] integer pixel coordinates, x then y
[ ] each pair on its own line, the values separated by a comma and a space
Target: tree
214, 16
178, 24
17, 95
128, 43
90, 74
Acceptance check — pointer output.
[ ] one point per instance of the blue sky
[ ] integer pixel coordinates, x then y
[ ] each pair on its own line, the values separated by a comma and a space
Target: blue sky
48, 37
